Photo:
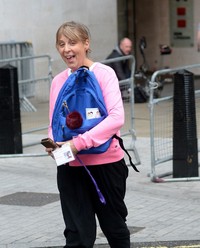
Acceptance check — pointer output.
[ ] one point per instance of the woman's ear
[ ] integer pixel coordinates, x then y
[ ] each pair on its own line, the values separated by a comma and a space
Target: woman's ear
87, 45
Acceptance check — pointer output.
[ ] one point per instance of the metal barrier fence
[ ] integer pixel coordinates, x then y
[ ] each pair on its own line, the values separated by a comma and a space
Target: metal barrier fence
14, 49
25, 68
32, 82
161, 129
34, 110
127, 90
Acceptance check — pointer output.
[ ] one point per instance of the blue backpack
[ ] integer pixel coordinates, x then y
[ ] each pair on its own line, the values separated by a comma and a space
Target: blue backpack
80, 94
81, 91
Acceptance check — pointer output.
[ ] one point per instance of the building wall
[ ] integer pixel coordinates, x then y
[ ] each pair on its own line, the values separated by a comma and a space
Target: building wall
38, 20
152, 21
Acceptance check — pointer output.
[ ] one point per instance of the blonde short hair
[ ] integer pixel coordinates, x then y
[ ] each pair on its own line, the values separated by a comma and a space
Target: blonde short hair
74, 31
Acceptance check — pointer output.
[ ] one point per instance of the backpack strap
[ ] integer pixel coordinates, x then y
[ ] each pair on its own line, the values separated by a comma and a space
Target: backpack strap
84, 66
121, 143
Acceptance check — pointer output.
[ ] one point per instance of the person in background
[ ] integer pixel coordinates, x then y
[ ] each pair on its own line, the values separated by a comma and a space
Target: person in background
79, 200
121, 68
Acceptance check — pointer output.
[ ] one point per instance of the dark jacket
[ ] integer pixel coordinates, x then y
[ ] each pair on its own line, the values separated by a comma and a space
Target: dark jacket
121, 68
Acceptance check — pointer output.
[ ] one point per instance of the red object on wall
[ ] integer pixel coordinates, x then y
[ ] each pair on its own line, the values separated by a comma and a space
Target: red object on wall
181, 11
181, 23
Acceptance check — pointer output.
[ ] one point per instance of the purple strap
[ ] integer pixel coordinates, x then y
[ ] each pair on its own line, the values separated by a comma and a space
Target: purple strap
101, 197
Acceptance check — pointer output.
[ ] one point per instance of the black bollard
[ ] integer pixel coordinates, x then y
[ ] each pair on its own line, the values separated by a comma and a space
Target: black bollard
185, 147
10, 124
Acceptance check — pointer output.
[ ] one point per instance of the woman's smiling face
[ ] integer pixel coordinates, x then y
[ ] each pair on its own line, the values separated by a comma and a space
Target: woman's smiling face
73, 52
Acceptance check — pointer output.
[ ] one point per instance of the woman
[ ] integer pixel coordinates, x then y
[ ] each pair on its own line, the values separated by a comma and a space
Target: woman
79, 199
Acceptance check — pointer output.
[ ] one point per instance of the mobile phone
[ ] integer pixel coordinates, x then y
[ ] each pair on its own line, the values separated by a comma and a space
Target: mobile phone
49, 143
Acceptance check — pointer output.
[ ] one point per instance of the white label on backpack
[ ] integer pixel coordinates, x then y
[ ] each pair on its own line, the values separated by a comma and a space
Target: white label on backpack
92, 113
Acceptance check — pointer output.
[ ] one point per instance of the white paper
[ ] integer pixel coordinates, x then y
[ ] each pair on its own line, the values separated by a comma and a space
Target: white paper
63, 154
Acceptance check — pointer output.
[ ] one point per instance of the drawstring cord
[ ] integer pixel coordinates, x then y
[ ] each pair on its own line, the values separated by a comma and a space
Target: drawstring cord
101, 197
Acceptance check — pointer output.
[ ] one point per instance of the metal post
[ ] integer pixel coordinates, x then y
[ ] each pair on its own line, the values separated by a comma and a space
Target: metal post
185, 148
10, 124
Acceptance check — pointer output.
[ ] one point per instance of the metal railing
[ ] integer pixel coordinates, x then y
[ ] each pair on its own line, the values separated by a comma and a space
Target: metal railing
31, 80
34, 108
161, 129
128, 85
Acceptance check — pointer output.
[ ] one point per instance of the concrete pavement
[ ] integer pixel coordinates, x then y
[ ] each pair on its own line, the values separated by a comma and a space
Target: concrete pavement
30, 214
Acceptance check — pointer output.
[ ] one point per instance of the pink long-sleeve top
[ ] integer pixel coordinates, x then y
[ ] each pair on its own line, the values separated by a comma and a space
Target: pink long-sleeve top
104, 130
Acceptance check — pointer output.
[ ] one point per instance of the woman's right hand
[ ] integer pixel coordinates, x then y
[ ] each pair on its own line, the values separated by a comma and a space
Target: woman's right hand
49, 151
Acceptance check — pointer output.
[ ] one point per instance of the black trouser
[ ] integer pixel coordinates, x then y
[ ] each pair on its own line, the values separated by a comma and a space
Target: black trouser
80, 203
